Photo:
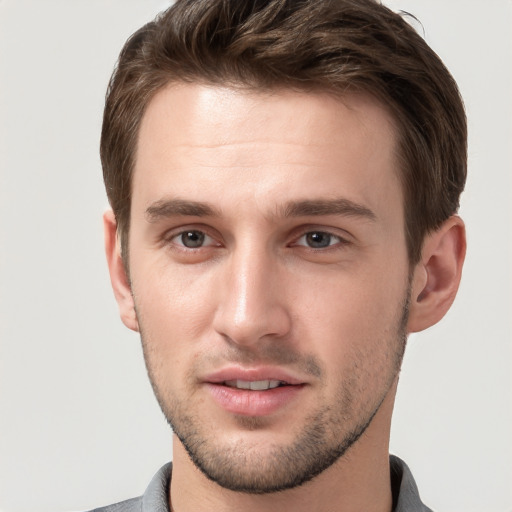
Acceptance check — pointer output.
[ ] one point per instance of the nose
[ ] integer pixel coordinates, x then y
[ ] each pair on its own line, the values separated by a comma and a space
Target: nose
252, 298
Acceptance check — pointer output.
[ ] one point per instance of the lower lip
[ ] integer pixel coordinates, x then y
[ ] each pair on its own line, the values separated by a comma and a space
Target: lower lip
253, 403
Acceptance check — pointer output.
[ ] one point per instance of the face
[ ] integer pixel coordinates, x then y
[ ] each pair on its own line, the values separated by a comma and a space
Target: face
269, 273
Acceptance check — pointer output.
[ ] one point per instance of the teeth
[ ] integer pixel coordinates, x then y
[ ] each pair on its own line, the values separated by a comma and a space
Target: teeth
255, 385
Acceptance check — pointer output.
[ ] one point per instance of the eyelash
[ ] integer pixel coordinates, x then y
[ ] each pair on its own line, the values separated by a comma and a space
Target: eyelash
339, 241
203, 235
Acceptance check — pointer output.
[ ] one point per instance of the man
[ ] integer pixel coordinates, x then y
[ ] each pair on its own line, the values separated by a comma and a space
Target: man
284, 179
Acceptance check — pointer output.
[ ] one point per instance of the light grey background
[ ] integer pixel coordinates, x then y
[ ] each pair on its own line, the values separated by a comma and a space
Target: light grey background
79, 426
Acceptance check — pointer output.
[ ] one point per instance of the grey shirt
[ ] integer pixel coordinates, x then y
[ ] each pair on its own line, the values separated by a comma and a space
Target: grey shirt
406, 497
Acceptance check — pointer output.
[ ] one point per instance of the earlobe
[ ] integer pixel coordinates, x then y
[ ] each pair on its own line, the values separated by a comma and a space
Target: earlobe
118, 277
437, 276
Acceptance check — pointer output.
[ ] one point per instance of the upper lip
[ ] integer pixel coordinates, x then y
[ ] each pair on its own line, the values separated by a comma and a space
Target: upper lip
252, 374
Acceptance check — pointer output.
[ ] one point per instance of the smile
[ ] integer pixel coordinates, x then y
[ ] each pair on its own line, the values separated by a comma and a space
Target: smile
256, 385
257, 391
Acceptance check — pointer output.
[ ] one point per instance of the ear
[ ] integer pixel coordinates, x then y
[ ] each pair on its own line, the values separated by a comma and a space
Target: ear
437, 276
118, 277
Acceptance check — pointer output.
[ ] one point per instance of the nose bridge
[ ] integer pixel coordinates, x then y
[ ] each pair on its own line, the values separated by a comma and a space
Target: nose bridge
251, 279
253, 303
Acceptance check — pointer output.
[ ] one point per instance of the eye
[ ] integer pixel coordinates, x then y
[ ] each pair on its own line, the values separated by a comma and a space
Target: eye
193, 239
318, 240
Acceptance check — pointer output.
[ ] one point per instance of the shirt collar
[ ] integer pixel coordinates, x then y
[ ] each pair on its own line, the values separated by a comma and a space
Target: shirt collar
406, 497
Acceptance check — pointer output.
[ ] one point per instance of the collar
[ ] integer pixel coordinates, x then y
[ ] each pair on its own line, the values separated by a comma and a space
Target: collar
406, 497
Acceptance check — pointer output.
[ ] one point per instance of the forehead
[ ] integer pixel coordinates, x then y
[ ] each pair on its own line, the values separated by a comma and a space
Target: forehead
282, 142
195, 114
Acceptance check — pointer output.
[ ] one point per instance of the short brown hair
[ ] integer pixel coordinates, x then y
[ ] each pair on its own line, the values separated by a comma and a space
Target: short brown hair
331, 45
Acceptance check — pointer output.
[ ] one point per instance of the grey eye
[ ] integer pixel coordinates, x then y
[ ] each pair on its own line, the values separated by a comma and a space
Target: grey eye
192, 239
318, 239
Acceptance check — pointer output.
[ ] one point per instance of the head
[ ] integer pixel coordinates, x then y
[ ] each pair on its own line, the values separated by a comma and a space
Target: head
337, 47
283, 178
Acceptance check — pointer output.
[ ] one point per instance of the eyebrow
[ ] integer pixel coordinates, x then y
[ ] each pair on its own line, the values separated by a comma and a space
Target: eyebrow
320, 207
166, 208
179, 207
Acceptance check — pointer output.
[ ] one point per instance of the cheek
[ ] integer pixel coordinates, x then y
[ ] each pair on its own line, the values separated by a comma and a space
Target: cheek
174, 295
173, 308
353, 319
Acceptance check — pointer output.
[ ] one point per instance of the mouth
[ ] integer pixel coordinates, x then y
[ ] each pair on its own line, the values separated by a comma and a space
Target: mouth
255, 385
253, 392
257, 378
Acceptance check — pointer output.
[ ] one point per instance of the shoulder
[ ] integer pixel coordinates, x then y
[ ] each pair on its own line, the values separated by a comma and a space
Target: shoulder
155, 499
132, 505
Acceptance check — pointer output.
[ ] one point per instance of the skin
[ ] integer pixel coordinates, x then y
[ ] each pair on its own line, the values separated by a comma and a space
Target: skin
324, 294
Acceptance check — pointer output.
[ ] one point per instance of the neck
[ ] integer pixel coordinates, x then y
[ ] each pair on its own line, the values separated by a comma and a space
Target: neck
358, 481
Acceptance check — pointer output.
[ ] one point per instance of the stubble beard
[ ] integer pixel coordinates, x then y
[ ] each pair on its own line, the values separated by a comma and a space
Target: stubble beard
325, 437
